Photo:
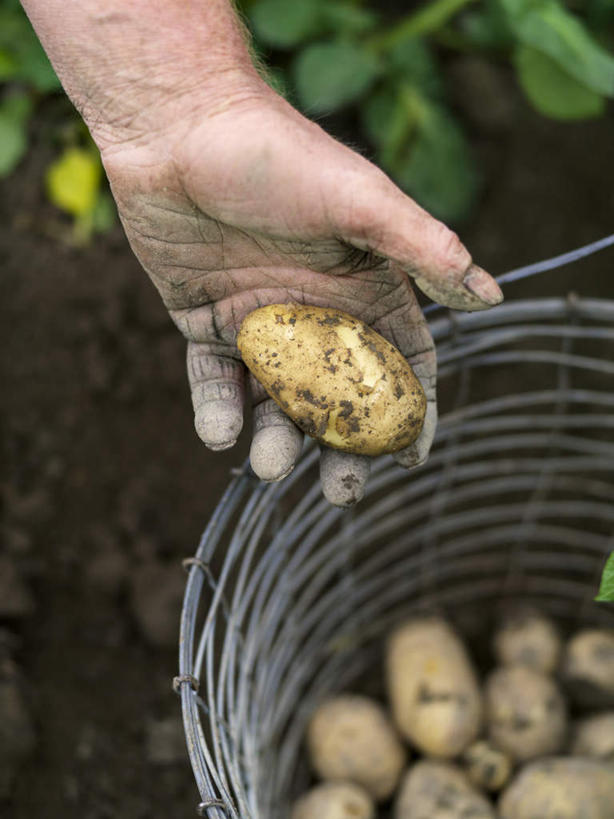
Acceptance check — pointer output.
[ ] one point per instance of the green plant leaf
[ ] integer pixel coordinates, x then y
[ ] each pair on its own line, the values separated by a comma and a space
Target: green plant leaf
15, 110
13, 25
13, 142
17, 106
104, 213
389, 119
437, 168
19, 42
346, 18
548, 27
379, 110
551, 90
8, 65
331, 75
281, 24
606, 589
73, 181
414, 61
488, 27
36, 69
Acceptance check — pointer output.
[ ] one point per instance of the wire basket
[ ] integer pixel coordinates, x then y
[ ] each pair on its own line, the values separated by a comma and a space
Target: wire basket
288, 598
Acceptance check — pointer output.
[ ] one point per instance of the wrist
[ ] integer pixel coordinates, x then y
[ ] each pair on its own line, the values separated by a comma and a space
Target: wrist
138, 69
162, 107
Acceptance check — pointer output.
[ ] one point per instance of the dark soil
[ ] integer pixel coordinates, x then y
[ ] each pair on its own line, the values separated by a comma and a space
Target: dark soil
105, 486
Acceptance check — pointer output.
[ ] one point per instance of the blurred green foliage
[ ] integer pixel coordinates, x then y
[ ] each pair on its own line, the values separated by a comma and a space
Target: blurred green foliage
330, 56
606, 588
21, 57
74, 180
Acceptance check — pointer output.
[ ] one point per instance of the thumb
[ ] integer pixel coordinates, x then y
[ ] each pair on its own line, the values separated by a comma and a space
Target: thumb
370, 212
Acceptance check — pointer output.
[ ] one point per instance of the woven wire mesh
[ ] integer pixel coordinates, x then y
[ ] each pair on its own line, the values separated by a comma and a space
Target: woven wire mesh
288, 599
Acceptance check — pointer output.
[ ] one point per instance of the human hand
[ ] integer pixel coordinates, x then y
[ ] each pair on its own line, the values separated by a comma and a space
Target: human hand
254, 204
231, 200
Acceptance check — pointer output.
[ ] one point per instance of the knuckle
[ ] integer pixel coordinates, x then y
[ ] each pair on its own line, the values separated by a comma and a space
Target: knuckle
268, 415
361, 218
358, 211
450, 251
207, 367
210, 392
424, 365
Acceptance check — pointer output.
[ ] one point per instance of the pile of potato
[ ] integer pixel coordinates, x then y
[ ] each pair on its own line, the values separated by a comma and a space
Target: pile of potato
533, 740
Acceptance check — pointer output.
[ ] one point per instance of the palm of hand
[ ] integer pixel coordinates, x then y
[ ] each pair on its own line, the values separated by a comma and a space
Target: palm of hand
260, 206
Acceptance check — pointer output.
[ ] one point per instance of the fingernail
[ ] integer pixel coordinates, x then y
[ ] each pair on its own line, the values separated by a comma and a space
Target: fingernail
218, 447
274, 452
480, 284
279, 478
413, 456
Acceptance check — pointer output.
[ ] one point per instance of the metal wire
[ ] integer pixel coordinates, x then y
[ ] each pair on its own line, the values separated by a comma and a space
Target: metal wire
556, 261
288, 598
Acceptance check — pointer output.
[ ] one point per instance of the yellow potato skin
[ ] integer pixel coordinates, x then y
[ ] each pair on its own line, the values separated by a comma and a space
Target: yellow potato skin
527, 637
339, 380
439, 790
350, 738
486, 767
433, 690
561, 788
334, 800
594, 736
525, 711
588, 668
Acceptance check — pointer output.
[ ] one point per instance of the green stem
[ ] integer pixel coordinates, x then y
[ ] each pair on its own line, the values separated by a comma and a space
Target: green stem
413, 102
455, 41
83, 228
400, 127
419, 23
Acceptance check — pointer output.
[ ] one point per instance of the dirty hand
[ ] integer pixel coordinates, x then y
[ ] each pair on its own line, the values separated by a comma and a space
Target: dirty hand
234, 200
257, 205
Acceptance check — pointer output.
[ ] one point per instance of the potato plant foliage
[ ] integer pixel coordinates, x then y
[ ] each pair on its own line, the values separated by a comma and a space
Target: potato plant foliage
330, 56
606, 589
74, 180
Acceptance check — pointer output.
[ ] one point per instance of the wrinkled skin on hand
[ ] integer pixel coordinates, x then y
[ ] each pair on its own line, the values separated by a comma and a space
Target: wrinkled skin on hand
253, 204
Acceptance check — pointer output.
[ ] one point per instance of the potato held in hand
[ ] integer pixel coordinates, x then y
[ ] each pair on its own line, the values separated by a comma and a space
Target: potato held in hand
339, 380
